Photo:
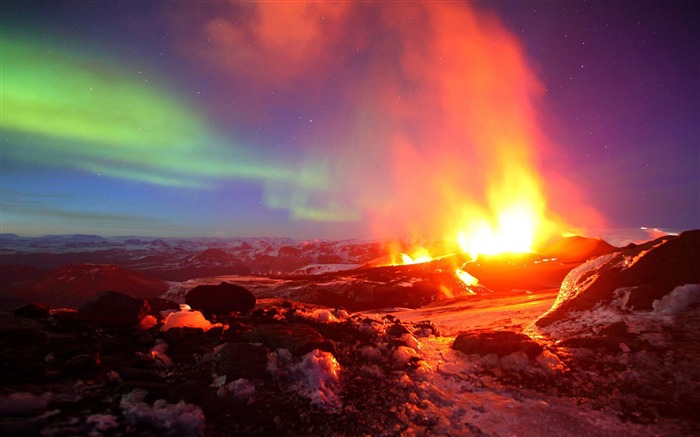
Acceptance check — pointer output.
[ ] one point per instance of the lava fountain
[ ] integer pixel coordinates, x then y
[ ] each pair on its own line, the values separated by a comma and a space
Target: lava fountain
470, 162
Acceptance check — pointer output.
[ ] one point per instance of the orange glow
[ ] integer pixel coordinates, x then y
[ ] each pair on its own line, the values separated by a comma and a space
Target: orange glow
442, 136
514, 221
466, 277
419, 256
471, 164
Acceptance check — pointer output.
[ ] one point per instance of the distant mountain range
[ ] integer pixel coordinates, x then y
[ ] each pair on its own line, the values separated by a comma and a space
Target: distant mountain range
178, 259
66, 270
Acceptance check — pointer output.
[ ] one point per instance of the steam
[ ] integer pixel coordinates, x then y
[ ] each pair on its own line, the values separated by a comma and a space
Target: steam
435, 120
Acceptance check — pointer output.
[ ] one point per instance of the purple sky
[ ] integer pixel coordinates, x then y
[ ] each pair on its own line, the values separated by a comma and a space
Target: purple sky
342, 120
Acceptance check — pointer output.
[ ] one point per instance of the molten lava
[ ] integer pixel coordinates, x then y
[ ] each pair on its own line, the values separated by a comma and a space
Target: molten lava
515, 221
419, 256
466, 277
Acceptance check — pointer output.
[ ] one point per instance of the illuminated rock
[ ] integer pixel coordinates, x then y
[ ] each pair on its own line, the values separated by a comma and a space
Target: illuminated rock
500, 343
632, 278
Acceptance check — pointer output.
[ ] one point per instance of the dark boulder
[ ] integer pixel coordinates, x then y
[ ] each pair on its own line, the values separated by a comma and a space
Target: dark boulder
647, 272
220, 299
33, 310
114, 308
159, 304
501, 343
578, 249
397, 330
242, 360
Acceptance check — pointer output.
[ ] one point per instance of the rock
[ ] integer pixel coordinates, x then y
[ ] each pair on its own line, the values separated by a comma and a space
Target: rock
114, 308
33, 311
159, 304
397, 330
578, 249
19, 331
645, 273
73, 285
196, 394
242, 360
501, 343
220, 299
296, 338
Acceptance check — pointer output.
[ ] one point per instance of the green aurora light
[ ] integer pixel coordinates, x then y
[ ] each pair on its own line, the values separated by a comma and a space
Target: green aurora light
70, 110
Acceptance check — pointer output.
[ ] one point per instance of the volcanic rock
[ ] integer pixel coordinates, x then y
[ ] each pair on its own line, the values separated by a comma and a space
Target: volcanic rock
242, 360
159, 304
636, 276
18, 331
501, 343
220, 299
297, 338
578, 249
114, 308
33, 310
73, 285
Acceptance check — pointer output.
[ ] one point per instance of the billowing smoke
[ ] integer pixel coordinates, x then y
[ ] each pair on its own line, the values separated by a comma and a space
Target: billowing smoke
424, 113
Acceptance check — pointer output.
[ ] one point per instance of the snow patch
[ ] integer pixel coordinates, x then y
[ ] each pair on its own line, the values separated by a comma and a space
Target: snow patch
23, 403
318, 378
410, 341
241, 390
584, 275
678, 300
322, 315
404, 354
319, 269
103, 422
158, 354
176, 420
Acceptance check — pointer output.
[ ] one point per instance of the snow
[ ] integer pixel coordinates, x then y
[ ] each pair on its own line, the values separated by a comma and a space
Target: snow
240, 389
319, 269
315, 376
472, 312
582, 276
590, 322
318, 378
186, 319
23, 403
322, 315
172, 420
158, 355
456, 400
678, 300
103, 422
410, 341
404, 354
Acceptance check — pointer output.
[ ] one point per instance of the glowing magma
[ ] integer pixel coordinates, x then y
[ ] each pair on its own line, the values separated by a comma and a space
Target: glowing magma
467, 152
514, 217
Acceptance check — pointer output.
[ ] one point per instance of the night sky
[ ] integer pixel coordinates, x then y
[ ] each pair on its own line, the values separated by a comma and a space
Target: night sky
344, 120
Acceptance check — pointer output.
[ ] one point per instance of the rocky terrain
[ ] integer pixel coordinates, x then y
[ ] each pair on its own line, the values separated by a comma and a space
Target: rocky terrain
601, 342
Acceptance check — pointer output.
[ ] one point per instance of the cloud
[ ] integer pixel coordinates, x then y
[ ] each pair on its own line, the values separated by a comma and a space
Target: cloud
273, 42
40, 213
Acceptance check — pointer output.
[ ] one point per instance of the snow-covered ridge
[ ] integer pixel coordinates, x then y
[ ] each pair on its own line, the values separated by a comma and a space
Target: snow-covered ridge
191, 257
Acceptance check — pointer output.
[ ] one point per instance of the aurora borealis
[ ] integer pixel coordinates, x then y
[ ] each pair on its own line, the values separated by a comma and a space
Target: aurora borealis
340, 120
